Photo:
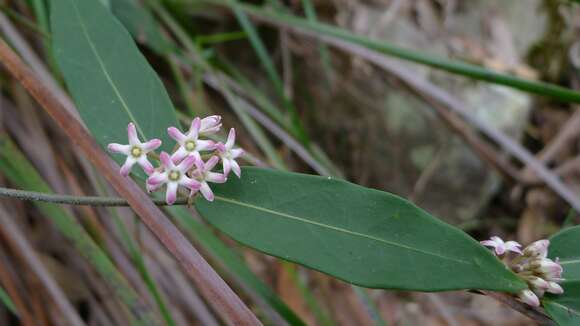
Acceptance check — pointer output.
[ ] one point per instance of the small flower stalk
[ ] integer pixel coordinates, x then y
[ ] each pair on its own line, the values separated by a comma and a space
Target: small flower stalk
185, 167
532, 265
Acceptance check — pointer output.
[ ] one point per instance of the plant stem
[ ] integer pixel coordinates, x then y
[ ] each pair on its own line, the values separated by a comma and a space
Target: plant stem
75, 200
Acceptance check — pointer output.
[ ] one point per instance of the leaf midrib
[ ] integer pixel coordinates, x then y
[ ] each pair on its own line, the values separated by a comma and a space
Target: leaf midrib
337, 229
104, 70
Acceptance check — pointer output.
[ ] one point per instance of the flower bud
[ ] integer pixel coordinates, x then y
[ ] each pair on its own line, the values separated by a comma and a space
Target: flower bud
555, 288
528, 297
537, 249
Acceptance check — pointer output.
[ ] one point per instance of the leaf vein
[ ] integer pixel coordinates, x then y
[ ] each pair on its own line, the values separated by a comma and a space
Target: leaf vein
337, 229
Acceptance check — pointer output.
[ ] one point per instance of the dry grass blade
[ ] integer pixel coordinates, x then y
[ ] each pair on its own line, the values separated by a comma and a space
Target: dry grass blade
215, 290
25, 250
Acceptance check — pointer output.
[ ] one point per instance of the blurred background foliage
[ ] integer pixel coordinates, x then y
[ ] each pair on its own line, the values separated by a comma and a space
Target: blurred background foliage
306, 98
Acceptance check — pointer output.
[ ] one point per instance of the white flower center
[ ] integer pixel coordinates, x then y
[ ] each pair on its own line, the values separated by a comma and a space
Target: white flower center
174, 175
136, 151
190, 145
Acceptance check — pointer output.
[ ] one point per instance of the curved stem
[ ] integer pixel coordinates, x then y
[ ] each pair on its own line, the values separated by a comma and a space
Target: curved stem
75, 200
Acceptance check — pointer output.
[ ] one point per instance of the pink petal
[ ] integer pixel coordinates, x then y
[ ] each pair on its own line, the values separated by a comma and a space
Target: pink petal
194, 129
176, 135
227, 166
206, 191
190, 183
166, 161
211, 163
231, 139
157, 179
237, 152
179, 155
204, 145
186, 164
513, 246
126, 168
145, 164
488, 243
220, 147
171, 194
132, 133
151, 145
236, 168
215, 177
118, 148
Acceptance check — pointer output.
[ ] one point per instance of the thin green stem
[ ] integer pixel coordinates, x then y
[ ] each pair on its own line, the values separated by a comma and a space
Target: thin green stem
75, 200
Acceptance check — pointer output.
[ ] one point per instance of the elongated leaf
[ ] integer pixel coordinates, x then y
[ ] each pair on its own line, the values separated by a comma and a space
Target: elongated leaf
565, 245
109, 78
363, 236
565, 308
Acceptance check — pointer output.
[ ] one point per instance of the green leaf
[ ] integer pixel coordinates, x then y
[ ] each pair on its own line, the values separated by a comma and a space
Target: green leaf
362, 236
109, 78
565, 246
565, 308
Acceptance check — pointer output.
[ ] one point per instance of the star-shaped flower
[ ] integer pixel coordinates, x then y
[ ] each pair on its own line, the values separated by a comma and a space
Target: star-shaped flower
228, 154
203, 175
136, 151
174, 176
189, 143
500, 247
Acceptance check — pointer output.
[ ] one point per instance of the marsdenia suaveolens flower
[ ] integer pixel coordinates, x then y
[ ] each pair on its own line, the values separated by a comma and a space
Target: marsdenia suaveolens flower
189, 143
136, 151
228, 154
533, 266
500, 247
173, 176
186, 167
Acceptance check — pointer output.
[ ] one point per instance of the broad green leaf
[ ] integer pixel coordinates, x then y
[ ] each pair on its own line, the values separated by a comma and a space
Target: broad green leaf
565, 245
565, 308
109, 78
360, 235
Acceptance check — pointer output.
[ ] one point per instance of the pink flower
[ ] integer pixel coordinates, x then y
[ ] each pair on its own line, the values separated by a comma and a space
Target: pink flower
189, 144
136, 151
500, 247
203, 175
228, 154
174, 176
528, 297
210, 125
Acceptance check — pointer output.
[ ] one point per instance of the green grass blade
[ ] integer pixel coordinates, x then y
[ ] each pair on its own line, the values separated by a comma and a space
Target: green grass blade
310, 12
15, 167
5, 298
456, 67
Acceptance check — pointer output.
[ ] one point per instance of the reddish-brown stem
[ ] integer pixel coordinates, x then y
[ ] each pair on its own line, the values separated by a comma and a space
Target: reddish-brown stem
211, 285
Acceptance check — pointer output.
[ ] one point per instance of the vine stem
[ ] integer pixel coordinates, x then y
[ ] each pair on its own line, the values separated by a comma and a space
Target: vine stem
76, 200
213, 288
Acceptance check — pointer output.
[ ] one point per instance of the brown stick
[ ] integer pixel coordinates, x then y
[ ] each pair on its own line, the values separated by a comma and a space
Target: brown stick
523, 308
214, 289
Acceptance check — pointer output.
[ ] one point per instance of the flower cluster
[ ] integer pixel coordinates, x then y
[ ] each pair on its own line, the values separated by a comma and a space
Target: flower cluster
186, 167
541, 273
